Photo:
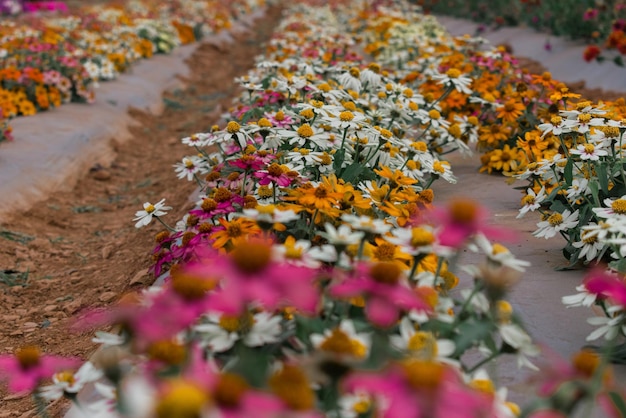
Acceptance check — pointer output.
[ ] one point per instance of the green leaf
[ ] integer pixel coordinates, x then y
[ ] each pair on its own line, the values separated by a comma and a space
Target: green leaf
470, 333
618, 402
619, 265
569, 168
338, 160
618, 61
352, 172
603, 178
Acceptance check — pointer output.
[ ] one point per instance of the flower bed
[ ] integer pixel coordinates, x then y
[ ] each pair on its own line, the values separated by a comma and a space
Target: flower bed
315, 276
601, 24
57, 59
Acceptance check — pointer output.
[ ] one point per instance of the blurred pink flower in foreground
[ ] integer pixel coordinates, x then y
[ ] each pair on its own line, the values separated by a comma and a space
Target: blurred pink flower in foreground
28, 367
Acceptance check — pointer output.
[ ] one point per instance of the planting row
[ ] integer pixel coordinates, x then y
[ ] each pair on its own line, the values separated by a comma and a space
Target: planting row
316, 275
601, 24
60, 58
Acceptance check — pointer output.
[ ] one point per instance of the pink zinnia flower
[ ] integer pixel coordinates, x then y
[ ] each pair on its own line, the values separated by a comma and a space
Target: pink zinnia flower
385, 292
462, 219
249, 276
420, 389
603, 283
273, 174
27, 368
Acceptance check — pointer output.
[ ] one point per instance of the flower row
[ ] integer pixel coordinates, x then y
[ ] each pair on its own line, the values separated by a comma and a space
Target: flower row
601, 24
58, 59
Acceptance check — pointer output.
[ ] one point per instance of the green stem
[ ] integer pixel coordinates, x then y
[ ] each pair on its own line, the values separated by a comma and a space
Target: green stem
165, 225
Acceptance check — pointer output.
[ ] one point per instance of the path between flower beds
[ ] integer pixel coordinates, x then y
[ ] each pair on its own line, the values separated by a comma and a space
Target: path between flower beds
54, 149
537, 297
79, 248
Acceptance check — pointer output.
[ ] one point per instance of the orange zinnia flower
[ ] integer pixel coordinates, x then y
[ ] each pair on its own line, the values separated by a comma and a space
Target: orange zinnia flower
511, 110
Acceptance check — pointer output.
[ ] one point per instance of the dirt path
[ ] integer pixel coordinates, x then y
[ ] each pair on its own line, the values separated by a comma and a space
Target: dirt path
80, 249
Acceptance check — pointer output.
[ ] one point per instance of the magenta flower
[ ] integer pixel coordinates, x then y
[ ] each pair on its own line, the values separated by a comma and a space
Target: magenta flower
274, 174
249, 276
421, 389
606, 284
384, 289
390, 389
462, 219
28, 367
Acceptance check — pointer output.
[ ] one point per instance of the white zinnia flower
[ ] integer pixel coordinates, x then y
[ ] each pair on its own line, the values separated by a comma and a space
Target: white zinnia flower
144, 217
556, 222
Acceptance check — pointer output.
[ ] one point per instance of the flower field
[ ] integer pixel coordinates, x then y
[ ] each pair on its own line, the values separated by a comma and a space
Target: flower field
316, 272
60, 58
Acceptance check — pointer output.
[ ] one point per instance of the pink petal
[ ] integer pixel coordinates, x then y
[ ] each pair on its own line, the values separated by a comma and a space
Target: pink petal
381, 311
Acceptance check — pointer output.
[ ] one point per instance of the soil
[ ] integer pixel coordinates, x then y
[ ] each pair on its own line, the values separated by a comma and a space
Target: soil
80, 250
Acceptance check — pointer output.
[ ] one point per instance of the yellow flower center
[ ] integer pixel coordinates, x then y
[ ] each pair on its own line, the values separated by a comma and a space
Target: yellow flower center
555, 219
463, 211
453, 73
483, 385
407, 93
317, 103
264, 192
275, 170
619, 206
188, 163
191, 287
386, 272
182, 400
229, 390
28, 356
168, 352
455, 130
150, 208
586, 362
355, 72
421, 237
305, 131
362, 407
67, 377
499, 249
385, 251
349, 105
346, 116
450, 281
556, 120
280, 116
438, 167
325, 159
386, 133
589, 148
584, 118
233, 323
325, 87
292, 386
222, 194
208, 204
421, 374
251, 257
528, 200
340, 343
307, 113
434, 114
419, 146
233, 127
413, 165
424, 344
374, 67
473, 120
264, 123
504, 310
